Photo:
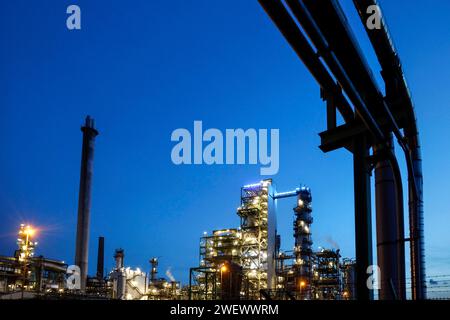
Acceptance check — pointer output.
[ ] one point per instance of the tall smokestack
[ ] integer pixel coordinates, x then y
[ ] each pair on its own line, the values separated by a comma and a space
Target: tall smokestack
100, 257
84, 199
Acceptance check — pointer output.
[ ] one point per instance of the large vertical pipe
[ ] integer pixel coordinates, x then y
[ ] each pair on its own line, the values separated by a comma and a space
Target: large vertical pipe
394, 77
100, 257
84, 199
363, 220
390, 234
400, 227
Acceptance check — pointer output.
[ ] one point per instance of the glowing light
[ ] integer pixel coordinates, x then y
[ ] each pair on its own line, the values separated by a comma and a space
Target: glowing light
29, 231
223, 268
26, 246
302, 284
251, 186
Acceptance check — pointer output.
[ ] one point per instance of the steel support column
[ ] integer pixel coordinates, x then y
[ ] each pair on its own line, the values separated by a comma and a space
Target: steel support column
363, 220
416, 224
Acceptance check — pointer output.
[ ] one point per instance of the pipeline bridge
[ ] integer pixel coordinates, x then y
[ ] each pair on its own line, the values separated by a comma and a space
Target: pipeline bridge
319, 33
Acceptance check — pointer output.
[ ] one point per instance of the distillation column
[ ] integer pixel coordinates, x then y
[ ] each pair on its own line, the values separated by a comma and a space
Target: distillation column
118, 276
154, 269
303, 243
84, 200
258, 237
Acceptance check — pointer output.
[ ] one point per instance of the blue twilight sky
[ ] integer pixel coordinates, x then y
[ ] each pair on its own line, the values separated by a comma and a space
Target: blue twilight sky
144, 68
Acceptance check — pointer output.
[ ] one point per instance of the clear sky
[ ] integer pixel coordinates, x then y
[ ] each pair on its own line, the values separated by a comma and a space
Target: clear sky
145, 68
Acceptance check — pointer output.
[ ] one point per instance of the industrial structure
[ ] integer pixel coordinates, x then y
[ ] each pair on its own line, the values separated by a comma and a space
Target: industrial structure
246, 262
23, 275
320, 34
243, 263
84, 199
26, 276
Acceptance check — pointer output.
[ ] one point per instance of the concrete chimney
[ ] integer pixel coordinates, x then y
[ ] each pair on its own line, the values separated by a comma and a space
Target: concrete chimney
84, 199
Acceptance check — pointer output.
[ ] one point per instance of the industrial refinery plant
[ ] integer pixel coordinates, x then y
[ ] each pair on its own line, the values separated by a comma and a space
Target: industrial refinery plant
182, 63
247, 263
243, 263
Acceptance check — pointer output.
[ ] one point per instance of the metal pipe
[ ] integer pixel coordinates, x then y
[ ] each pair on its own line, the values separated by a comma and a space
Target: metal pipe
416, 224
386, 227
400, 225
280, 16
333, 24
396, 84
390, 221
305, 19
359, 85
385, 51
389, 213
288, 194
327, 27
364, 87
84, 200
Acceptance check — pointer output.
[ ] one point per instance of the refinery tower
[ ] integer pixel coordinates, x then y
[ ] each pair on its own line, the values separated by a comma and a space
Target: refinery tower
247, 263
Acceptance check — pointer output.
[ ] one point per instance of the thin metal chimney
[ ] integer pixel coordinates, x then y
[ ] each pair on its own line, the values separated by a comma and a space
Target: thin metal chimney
119, 255
84, 199
100, 257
